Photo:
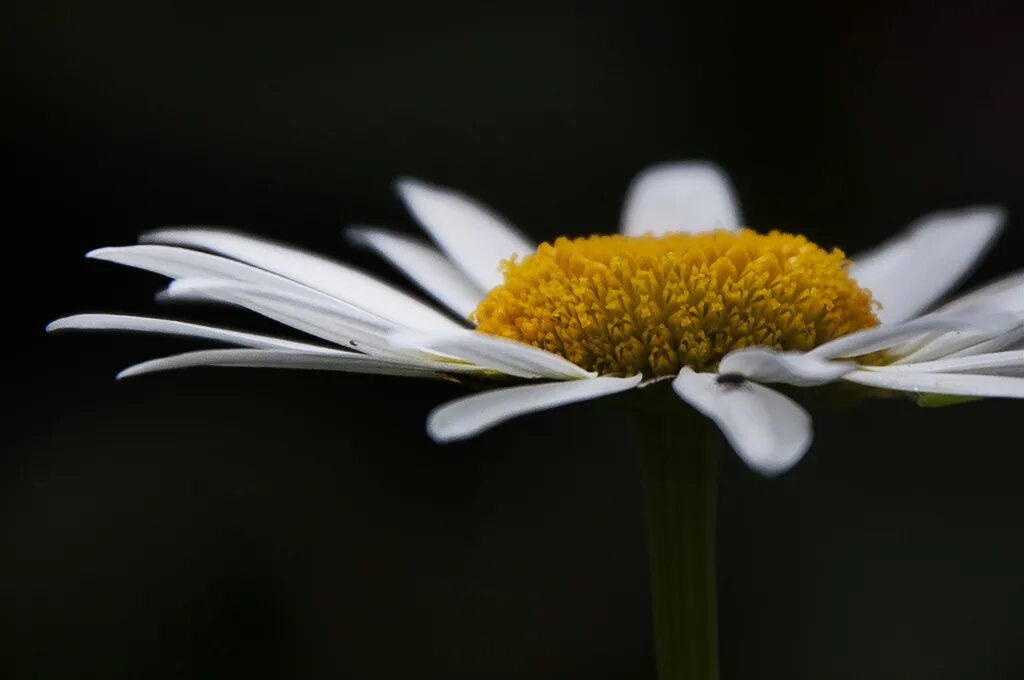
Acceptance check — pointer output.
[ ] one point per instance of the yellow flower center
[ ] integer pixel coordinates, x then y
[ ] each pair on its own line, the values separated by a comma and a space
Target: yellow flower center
623, 305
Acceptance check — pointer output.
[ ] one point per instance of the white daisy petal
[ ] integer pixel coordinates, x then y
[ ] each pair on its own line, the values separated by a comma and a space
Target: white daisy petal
431, 270
332, 320
214, 273
889, 335
1000, 363
349, 362
1003, 294
958, 343
910, 272
767, 429
177, 263
507, 356
318, 273
468, 416
142, 324
764, 364
180, 263
680, 197
964, 341
328, 319
1012, 340
473, 236
957, 384
937, 345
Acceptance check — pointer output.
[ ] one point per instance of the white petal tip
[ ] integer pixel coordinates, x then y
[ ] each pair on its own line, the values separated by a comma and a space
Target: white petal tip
680, 196
358, 235
159, 236
410, 188
104, 253
439, 435
996, 214
173, 235
404, 184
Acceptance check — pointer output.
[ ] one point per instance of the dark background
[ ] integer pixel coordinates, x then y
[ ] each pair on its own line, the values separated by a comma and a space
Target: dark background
212, 523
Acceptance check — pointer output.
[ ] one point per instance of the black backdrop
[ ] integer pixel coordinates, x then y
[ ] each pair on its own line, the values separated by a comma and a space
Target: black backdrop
277, 524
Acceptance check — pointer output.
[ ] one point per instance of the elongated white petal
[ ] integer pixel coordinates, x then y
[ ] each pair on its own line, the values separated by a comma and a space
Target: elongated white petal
768, 430
468, 416
190, 288
764, 364
205, 276
1011, 340
1000, 363
472, 235
181, 263
431, 270
689, 197
889, 335
263, 358
318, 273
353, 329
1003, 294
958, 384
507, 356
909, 273
961, 342
142, 324
328, 319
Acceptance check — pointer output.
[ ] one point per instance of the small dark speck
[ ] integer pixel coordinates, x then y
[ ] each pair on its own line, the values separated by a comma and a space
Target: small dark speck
731, 380
353, 343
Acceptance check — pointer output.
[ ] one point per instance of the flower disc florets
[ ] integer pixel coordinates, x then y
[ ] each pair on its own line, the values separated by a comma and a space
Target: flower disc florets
624, 305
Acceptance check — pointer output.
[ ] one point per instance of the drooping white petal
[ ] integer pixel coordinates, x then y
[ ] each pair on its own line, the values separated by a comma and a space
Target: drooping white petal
264, 358
142, 324
958, 384
318, 273
468, 416
998, 363
767, 429
889, 335
764, 364
472, 235
431, 270
909, 273
507, 356
680, 197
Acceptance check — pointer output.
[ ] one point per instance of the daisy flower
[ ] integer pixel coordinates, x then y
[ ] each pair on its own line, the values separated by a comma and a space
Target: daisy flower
681, 293
736, 321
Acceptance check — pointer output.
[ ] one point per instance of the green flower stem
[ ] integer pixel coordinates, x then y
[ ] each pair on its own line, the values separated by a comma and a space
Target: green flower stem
679, 463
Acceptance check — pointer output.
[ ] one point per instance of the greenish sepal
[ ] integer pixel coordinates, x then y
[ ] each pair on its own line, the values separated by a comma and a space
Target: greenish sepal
940, 400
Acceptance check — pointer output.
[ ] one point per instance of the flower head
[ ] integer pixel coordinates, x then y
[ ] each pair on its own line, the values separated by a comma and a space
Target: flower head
622, 305
682, 293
